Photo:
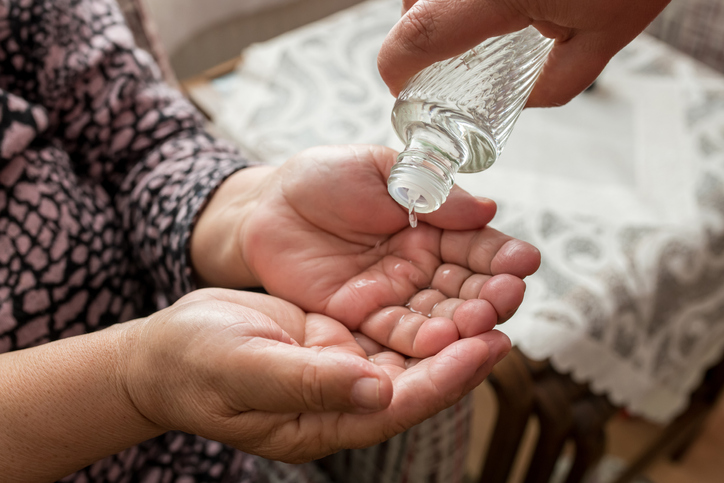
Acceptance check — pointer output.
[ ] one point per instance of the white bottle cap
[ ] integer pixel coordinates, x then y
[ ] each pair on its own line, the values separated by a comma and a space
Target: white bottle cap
411, 182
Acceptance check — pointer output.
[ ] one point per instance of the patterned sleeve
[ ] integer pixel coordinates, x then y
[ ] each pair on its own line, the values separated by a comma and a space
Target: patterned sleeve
126, 131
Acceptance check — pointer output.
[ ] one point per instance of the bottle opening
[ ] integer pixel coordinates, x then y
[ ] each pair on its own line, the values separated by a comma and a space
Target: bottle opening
410, 198
416, 187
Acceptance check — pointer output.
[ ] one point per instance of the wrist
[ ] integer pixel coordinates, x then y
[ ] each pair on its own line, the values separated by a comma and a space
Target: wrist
66, 404
129, 348
217, 256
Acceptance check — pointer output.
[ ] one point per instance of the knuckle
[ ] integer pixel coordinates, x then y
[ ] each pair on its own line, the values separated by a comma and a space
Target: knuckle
420, 29
311, 446
311, 390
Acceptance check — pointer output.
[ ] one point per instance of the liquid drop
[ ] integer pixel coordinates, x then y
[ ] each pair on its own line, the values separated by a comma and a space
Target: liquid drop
413, 217
412, 197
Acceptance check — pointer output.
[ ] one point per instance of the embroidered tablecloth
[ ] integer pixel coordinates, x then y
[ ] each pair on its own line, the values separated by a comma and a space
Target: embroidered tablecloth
622, 190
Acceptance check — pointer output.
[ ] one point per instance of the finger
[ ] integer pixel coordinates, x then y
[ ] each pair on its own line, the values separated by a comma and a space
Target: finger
474, 317
490, 252
461, 211
472, 286
449, 279
331, 335
343, 177
421, 391
370, 346
430, 31
599, 30
434, 335
505, 293
499, 346
412, 362
425, 300
394, 327
277, 377
393, 363
363, 172
360, 172
424, 389
588, 34
410, 333
447, 308
389, 358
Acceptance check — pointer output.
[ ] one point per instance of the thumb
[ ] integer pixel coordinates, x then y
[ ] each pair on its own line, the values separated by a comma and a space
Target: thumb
461, 211
266, 372
430, 31
279, 377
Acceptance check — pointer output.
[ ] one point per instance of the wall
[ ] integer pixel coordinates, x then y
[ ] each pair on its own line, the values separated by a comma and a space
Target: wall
199, 34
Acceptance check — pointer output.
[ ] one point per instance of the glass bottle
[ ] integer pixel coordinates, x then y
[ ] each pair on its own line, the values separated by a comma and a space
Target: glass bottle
456, 115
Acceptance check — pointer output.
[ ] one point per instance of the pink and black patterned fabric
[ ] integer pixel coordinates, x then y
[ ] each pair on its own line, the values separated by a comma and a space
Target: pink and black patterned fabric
103, 169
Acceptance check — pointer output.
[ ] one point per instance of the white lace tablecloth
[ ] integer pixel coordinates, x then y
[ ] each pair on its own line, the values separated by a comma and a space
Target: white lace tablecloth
622, 190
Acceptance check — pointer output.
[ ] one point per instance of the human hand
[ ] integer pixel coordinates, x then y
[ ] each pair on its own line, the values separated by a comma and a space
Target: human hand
258, 373
587, 34
322, 232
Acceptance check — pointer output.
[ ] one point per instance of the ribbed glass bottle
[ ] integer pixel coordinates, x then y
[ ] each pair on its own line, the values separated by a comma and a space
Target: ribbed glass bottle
456, 115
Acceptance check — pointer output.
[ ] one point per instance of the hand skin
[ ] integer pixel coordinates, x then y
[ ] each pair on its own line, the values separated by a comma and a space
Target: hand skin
245, 369
322, 232
587, 33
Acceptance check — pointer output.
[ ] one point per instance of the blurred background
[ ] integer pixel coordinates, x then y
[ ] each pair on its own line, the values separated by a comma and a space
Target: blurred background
199, 35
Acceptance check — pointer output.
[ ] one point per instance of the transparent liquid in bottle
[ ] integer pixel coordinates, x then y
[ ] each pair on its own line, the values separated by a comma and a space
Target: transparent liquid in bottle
456, 115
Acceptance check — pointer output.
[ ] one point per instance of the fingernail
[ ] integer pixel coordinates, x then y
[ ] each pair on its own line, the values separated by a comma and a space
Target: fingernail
366, 393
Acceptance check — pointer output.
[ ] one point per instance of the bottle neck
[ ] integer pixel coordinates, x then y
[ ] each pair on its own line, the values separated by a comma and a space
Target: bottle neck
424, 173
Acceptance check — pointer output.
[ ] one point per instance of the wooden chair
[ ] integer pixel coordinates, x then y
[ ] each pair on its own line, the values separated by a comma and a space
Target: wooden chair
513, 385
569, 412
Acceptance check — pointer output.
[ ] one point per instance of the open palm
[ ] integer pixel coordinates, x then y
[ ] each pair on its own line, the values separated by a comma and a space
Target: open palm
258, 373
325, 235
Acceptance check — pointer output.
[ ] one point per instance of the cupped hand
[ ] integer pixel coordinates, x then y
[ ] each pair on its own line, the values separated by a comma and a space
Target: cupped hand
587, 34
322, 232
258, 373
